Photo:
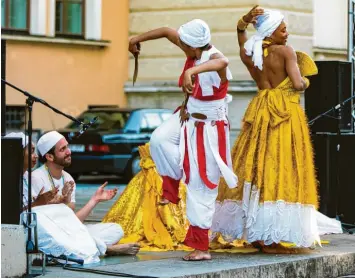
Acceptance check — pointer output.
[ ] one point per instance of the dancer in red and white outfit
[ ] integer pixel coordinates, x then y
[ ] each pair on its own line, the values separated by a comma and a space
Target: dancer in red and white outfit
193, 144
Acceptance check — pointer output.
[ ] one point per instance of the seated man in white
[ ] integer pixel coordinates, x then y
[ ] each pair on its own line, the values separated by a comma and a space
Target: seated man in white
56, 155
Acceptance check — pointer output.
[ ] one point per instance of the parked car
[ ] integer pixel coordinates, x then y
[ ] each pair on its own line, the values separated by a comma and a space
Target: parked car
110, 146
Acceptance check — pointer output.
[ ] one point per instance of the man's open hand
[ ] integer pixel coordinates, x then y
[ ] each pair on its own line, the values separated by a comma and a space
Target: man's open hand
104, 195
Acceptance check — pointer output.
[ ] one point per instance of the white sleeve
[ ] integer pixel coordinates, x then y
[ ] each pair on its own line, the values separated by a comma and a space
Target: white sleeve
37, 184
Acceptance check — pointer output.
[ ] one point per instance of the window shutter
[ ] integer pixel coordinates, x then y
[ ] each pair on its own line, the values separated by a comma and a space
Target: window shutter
38, 16
93, 11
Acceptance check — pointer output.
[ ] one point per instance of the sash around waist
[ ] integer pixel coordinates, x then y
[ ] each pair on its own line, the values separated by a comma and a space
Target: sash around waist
213, 110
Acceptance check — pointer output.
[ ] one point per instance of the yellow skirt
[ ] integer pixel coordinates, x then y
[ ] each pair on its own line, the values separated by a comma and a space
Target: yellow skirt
276, 198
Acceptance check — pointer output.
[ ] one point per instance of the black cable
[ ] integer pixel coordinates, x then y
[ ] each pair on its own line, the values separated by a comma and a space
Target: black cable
91, 270
102, 272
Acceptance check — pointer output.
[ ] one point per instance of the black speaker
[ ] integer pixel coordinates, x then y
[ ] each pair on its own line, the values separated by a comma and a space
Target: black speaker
330, 87
11, 180
335, 165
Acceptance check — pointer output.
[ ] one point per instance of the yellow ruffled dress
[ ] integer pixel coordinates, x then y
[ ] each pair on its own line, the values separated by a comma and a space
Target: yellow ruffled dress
155, 227
276, 198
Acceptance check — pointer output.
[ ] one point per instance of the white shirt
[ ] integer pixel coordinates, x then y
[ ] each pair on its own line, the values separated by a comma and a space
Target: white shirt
25, 189
41, 178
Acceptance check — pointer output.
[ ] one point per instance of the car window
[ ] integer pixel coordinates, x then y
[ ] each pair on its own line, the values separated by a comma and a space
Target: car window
107, 120
150, 121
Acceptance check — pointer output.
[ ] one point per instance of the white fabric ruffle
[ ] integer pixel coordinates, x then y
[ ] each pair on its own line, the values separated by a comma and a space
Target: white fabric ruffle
271, 222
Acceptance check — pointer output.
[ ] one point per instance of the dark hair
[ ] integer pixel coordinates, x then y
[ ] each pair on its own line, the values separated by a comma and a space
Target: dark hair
205, 47
43, 158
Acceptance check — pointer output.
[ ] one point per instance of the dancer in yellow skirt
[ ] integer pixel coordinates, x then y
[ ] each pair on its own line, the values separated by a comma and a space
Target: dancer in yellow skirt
276, 199
143, 220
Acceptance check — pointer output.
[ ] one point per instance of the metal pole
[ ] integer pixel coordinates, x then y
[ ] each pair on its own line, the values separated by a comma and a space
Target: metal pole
350, 30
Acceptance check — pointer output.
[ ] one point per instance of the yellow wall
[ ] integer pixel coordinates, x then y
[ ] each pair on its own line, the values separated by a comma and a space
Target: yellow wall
70, 77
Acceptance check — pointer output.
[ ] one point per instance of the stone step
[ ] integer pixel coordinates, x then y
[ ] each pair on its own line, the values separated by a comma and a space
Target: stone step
337, 259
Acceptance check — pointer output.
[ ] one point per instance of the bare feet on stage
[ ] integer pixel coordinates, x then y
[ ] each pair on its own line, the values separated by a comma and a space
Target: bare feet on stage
163, 201
123, 249
198, 255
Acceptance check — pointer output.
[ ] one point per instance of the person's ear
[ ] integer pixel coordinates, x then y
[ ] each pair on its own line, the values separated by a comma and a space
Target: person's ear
50, 157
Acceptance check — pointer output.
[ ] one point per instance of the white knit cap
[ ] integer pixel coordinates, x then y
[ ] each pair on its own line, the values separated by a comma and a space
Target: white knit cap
266, 25
195, 33
47, 141
19, 135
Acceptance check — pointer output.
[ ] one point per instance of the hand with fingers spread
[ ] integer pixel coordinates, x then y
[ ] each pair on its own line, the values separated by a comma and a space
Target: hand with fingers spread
67, 191
104, 195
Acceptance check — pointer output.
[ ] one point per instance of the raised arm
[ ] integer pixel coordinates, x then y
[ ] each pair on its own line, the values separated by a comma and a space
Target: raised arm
163, 32
292, 69
242, 25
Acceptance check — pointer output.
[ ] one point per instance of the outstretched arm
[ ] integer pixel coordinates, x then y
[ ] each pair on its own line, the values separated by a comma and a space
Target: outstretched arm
100, 195
292, 69
163, 32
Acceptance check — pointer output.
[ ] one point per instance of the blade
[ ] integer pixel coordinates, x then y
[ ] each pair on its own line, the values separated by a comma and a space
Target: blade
135, 74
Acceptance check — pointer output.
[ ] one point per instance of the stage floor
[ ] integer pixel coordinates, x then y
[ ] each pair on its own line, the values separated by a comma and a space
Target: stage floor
332, 260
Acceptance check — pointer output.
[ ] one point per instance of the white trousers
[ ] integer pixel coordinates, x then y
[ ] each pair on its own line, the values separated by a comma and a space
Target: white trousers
105, 234
164, 149
60, 232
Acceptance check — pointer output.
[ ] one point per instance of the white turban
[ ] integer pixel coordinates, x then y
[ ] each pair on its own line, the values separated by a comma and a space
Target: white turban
19, 135
47, 141
195, 33
265, 26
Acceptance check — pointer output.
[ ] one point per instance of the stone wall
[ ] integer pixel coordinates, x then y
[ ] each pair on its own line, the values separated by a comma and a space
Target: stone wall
161, 63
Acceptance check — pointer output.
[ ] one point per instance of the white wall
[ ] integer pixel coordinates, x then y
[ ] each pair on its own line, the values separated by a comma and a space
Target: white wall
330, 23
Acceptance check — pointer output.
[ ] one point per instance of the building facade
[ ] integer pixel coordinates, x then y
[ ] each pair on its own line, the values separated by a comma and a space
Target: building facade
70, 53
75, 51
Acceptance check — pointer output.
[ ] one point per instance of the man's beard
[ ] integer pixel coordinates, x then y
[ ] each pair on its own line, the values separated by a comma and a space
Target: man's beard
62, 162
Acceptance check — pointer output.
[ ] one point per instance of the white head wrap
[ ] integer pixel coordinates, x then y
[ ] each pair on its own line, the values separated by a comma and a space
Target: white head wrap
195, 33
47, 141
19, 135
265, 26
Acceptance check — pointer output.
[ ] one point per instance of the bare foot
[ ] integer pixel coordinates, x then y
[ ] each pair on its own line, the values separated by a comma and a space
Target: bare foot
279, 249
123, 249
198, 255
163, 201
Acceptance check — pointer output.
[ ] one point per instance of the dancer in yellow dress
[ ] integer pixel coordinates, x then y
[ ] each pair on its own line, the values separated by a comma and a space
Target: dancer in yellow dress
143, 220
276, 198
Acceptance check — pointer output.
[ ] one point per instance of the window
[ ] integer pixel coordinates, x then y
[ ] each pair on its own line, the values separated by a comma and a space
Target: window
70, 17
15, 117
150, 121
15, 14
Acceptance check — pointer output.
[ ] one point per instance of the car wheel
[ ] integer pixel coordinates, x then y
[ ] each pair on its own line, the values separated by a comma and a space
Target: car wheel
133, 168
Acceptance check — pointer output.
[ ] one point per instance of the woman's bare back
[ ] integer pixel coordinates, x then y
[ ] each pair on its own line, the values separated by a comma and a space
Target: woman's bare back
274, 69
